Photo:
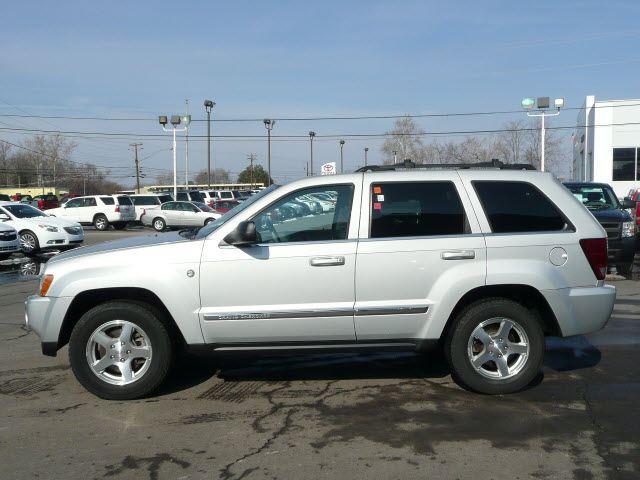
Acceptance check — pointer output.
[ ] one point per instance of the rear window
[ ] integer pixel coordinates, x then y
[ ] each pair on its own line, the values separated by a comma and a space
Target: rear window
143, 201
164, 198
196, 197
226, 195
124, 201
416, 210
513, 207
108, 200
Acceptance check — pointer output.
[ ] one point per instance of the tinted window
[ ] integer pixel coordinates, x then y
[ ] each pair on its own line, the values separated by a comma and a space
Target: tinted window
196, 197
416, 210
90, 202
24, 211
168, 206
182, 196
227, 195
164, 198
624, 160
148, 200
518, 207
74, 203
108, 200
290, 220
124, 201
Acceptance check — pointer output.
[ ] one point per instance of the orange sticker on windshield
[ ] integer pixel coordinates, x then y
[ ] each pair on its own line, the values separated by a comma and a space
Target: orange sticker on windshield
377, 190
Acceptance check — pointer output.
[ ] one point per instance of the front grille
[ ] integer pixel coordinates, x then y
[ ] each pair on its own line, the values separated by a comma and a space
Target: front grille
613, 229
7, 237
8, 249
73, 230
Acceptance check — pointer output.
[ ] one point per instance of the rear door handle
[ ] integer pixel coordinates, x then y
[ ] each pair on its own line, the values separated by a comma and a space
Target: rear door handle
458, 255
326, 261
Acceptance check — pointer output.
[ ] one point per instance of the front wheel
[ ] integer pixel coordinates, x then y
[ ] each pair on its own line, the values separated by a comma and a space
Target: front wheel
495, 346
120, 350
29, 242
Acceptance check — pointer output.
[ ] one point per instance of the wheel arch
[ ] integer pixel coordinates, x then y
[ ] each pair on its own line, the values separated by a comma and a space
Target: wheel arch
526, 295
88, 299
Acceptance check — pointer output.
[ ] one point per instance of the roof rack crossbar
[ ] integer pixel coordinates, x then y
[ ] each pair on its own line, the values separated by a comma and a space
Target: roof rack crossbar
410, 165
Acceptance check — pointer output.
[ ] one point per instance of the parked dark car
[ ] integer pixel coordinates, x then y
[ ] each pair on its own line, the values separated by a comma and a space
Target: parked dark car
4, 198
190, 196
45, 202
601, 200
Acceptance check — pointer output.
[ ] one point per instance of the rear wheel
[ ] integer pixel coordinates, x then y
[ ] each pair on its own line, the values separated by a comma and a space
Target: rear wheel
100, 222
120, 350
495, 346
29, 242
159, 224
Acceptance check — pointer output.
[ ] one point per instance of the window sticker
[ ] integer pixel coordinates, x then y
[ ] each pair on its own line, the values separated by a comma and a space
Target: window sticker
381, 198
377, 206
377, 190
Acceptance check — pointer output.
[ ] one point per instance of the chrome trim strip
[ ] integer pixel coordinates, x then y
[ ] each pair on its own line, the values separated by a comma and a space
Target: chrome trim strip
334, 312
316, 347
405, 310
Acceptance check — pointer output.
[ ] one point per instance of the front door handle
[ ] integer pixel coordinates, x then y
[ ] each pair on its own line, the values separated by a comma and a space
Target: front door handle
458, 255
326, 261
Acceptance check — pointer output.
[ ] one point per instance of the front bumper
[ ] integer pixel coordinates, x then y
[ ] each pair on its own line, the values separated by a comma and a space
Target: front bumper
622, 250
581, 310
11, 246
44, 315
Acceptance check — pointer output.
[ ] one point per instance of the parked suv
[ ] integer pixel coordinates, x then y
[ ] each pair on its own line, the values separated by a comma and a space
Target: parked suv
601, 200
190, 196
144, 201
485, 262
98, 210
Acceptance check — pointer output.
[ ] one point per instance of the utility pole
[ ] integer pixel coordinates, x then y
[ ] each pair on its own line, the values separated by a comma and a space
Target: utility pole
186, 152
341, 156
251, 157
366, 150
312, 135
395, 156
208, 106
269, 124
135, 149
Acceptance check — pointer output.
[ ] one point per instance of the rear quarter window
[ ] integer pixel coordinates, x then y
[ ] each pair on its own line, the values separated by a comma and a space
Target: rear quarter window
514, 207
108, 200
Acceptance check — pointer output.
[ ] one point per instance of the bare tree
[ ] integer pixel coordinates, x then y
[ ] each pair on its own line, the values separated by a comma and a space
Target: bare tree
405, 141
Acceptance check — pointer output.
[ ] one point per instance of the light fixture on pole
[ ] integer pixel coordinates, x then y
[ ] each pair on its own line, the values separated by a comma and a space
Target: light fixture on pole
395, 156
269, 124
175, 121
541, 105
341, 156
208, 106
366, 150
312, 135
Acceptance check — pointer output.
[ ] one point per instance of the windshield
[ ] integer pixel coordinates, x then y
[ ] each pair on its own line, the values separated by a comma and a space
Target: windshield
24, 211
212, 226
595, 197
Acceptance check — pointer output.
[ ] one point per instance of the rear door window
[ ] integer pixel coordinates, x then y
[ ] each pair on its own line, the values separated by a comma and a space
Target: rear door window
416, 209
513, 207
90, 202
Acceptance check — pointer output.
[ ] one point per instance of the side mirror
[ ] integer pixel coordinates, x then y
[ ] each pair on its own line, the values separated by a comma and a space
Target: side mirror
244, 235
4, 217
628, 203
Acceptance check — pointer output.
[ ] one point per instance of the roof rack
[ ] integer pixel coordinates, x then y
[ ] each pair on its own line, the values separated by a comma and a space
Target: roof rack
410, 165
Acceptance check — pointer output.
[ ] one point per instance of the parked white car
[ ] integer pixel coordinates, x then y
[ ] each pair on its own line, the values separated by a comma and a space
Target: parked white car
9, 242
178, 214
39, 231
483, 261
98, 210
145, 201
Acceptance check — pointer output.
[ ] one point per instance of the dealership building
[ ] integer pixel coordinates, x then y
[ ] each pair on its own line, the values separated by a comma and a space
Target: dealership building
606, 144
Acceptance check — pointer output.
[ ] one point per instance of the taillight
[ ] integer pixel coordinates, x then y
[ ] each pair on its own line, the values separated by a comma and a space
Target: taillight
595, 249
117, 208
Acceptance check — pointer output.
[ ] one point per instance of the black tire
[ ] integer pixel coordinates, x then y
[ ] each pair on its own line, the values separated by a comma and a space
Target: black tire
142, 316
100, 222
4, 256
159, 224
624, 269
27, 237
456, 346
208, 221
120, 225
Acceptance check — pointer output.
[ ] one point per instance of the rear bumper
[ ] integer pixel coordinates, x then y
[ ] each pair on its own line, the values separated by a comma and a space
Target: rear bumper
581, 310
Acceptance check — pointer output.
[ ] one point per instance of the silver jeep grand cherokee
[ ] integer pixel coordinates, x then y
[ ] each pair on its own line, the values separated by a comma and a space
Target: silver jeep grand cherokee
485, 262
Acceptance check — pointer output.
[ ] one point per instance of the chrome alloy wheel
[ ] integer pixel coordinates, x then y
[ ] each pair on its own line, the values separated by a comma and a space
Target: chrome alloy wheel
158, 225
498, 348
28, 242
101, 223
119, 352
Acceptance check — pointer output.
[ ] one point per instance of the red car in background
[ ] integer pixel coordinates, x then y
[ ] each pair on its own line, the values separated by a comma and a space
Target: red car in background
45, 202
223, 206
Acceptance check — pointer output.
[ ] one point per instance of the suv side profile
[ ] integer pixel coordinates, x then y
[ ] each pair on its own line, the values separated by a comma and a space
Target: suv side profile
144, 201
101, 211
484, 263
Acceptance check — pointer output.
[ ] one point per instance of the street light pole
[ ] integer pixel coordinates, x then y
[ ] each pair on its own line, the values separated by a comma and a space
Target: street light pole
268, 124
175, 121
208, 106
186, 151
341, 156
312, 134
366, 150
395, 156
542, 104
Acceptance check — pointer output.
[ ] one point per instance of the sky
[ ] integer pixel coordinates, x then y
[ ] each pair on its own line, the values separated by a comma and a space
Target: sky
284, 59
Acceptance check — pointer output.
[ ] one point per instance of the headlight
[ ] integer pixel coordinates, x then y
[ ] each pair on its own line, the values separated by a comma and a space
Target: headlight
628, 229
49, 228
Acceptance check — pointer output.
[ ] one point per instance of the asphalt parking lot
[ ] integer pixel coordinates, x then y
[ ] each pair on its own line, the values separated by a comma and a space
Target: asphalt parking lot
350, 416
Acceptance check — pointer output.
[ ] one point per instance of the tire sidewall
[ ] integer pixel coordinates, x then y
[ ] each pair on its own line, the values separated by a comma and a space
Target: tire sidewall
164, 224
36, 242
162, 351
456, 346
105, 224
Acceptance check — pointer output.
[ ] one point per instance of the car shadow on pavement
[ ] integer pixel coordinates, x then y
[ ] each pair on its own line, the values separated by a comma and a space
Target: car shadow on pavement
571, 353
